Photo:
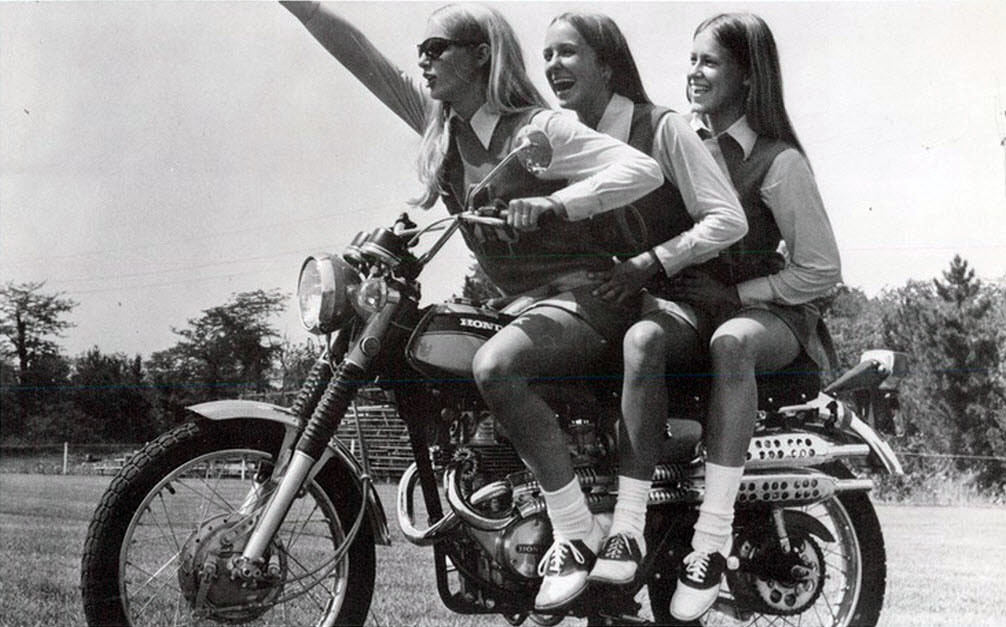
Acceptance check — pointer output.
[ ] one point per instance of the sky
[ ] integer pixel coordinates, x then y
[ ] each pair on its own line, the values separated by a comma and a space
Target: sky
158, 157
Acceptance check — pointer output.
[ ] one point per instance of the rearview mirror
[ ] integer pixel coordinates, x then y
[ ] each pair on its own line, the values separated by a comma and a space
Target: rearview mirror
533, 149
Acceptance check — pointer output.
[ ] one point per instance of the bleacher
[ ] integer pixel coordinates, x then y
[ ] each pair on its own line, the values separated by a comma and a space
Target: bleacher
387, 439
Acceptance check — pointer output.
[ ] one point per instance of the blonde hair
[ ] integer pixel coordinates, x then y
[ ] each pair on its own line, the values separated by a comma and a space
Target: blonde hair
508, 88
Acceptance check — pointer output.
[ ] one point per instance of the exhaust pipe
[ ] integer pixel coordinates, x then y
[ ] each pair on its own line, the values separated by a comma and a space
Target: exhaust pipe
406, 513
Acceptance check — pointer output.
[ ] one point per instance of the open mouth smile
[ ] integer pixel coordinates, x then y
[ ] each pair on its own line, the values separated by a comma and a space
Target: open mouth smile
560, 85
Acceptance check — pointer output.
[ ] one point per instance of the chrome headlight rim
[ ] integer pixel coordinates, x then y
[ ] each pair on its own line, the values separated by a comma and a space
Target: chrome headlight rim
335, 282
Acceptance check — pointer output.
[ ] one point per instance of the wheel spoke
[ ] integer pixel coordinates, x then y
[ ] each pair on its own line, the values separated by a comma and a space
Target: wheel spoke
151, 575
162, 538
153, 597
167, 519
219, 500
296, 529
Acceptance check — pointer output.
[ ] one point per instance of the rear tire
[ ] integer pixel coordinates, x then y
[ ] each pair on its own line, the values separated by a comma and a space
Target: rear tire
191, 474
857, 559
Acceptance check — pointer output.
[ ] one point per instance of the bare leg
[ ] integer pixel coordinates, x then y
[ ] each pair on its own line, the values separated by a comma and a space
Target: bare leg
651, 346
546, 342
754, 341
750, 342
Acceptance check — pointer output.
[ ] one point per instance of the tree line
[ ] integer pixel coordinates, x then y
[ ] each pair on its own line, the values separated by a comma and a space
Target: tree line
951, 407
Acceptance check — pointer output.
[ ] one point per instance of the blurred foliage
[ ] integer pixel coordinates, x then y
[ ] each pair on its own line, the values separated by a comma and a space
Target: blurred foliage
954, 400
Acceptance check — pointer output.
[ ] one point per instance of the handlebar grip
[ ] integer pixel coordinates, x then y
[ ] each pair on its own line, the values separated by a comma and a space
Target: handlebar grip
473, 219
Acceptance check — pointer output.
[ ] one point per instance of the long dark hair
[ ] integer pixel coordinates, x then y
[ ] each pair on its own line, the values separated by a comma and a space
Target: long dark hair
748, 40
602, 34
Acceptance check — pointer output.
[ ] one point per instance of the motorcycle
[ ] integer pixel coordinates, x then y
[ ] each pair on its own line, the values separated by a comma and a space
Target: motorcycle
258, 514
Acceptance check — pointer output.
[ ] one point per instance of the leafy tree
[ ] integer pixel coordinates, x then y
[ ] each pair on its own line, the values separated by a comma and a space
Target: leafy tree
955, 398
30, 321
227, 350
109, 390
854, 322
294, 361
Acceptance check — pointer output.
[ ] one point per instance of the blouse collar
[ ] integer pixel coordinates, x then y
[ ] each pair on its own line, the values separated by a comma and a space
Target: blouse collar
740, 131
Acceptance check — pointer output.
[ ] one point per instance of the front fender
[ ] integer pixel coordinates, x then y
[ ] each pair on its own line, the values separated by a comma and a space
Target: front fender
234, 409
879, 450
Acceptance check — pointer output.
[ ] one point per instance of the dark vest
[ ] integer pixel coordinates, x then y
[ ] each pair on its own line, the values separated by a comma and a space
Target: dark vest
757, 253
653, 219
516, 261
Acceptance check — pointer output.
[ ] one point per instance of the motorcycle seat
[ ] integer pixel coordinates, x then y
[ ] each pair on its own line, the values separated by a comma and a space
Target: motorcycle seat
795, 384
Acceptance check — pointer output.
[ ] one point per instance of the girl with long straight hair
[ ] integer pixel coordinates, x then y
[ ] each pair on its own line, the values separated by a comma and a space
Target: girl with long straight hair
767, 303
691, 218
478, 97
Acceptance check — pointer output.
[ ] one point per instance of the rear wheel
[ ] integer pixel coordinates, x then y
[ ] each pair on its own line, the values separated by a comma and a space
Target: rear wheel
161, 540
843, 580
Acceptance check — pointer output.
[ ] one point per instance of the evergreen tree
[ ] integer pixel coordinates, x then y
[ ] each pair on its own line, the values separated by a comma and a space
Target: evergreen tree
954, 401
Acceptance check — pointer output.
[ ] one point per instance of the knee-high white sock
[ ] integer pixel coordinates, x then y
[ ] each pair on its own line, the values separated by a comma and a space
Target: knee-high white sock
630, 508
716, 514
567, 509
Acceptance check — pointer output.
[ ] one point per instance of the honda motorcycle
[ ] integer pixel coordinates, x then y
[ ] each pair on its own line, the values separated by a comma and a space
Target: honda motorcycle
258, 514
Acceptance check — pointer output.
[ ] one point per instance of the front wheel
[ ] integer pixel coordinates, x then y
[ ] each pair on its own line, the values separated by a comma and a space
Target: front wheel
843, 571
175, 516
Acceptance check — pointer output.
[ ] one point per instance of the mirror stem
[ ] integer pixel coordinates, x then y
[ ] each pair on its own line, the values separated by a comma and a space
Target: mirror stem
475, 191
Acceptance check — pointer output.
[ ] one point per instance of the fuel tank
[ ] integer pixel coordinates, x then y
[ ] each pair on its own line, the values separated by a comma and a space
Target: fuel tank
448, 336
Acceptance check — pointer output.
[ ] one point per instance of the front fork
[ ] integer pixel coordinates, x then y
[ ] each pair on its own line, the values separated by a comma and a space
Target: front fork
310, 452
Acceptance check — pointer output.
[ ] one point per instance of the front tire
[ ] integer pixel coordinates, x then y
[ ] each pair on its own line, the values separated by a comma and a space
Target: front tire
159, 506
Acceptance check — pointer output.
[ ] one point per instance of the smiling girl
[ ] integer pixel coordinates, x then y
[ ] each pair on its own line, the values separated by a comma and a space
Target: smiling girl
767, 304
691, 218
478, 97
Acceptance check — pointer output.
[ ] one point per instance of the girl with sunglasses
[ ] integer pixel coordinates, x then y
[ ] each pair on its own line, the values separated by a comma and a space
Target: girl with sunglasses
479, 95
769, 315
691, 218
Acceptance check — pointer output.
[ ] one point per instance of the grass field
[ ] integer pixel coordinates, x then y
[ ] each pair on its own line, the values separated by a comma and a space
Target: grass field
945, 565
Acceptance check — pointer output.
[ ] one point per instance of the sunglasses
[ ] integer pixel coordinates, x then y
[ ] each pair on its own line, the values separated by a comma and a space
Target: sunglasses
433, 47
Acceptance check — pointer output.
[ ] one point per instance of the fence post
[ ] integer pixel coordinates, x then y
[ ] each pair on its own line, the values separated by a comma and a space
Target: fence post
66, 455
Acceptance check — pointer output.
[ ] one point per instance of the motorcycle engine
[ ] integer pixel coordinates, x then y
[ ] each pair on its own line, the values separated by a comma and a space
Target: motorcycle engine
483, 455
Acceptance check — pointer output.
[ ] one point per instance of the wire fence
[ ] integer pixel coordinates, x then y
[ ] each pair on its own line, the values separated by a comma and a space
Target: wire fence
387, 440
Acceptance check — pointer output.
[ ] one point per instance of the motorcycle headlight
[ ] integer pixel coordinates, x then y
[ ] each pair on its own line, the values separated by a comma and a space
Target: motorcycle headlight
323, 293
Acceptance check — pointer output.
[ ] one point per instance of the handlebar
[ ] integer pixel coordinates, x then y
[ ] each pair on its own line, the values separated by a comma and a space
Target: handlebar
495, 215
477, 219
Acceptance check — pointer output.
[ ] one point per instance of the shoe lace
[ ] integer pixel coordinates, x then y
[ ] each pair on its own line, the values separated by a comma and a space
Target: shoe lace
696, 564
617, 547
556, 556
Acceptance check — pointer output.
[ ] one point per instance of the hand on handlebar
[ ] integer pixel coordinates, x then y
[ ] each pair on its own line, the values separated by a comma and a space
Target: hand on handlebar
524, 214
